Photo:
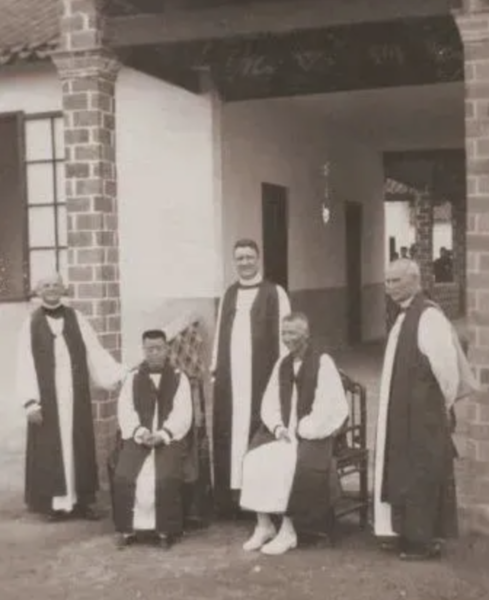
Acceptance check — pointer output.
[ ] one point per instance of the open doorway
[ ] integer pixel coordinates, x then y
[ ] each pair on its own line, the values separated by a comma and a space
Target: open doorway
353, 239
275, 233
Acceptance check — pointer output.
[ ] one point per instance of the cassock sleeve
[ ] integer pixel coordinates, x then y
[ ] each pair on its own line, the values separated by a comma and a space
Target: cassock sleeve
215, 346
179, 421
104, 370
271, 413
128, 418
330, 407
435, 341
26, 376
283, 310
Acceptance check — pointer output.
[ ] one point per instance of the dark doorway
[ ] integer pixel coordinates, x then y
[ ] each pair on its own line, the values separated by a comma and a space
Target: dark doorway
354, 234
275, 233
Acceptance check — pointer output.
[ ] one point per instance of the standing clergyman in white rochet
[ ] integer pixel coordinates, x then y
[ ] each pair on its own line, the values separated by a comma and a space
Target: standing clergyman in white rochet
289, 469
424, 373
246, 346
58, 354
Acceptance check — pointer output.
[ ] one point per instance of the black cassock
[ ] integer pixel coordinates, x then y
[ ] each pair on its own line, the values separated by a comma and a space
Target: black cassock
169, 459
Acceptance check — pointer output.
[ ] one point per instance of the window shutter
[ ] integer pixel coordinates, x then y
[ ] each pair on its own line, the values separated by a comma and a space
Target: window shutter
13, 209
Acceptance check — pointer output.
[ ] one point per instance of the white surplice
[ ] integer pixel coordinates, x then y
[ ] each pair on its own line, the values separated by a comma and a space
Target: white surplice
268, 471
241, 366
178, 423
435, 341
104, 371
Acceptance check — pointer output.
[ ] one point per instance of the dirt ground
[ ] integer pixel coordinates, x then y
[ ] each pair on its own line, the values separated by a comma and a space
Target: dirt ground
78, 561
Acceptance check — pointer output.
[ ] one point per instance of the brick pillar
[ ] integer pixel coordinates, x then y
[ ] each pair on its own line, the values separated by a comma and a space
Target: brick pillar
88, 72
459, 225
423, 217
474, 29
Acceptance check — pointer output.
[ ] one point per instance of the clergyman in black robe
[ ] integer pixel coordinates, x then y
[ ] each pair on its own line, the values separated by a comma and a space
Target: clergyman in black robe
58, 354
155, 416
247, 345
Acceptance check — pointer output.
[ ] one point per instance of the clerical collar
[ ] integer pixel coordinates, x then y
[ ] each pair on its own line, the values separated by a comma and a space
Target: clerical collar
405, 304
55, 312
248, 284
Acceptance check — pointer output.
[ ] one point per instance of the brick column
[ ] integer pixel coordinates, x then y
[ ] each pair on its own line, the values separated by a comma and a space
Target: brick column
474, 29
423, 216
459, 225
88, 72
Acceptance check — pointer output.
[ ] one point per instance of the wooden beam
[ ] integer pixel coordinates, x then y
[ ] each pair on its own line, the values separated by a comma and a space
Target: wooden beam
261, 17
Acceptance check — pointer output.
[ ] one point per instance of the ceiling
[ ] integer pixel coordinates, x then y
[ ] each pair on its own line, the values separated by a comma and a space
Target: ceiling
430, 116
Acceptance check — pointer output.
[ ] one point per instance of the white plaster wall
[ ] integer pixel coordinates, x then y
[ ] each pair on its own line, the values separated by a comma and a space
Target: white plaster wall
274, 143
166, 202
32, 89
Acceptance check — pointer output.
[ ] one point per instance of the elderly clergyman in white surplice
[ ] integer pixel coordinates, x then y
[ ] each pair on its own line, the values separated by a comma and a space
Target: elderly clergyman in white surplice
289, 469
155, 415
58, 355
424, 373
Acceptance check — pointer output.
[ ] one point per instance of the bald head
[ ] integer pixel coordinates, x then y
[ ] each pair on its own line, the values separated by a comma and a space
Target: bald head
51, 289
403, 279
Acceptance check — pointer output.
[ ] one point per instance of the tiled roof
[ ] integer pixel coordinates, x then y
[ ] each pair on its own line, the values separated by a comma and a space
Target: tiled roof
28, 29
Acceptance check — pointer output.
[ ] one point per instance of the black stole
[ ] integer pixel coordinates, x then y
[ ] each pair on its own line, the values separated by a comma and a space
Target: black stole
306, 382
265, 332
418, 443
147, 399
45, 474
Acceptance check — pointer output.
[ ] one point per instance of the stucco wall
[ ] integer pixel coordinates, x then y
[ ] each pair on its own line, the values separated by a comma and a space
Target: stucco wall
280, 145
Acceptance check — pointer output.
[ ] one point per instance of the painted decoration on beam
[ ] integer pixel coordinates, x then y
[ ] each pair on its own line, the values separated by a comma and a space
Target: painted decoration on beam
349, 57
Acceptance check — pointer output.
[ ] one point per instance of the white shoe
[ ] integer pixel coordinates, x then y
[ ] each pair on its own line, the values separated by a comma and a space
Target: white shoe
280, 545
260, 537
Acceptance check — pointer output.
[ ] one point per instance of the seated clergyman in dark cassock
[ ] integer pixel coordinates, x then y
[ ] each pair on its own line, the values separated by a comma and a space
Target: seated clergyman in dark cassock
58, 355
155, 415
289, 469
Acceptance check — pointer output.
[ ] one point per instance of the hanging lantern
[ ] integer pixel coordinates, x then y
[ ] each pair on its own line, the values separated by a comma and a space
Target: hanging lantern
325, 210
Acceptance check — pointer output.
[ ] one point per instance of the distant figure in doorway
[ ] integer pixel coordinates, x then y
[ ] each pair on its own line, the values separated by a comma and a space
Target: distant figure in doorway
404, 252
246, 347
414, 491
58, 354
443, 267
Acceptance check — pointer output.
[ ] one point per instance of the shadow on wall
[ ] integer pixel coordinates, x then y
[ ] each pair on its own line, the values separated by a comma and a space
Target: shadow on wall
12, 421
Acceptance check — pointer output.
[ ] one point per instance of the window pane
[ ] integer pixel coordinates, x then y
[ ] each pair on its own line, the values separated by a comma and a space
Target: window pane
41, 226
62, 226
60, 183
63, 263
59, 138
40, 187
38, 140
42, 264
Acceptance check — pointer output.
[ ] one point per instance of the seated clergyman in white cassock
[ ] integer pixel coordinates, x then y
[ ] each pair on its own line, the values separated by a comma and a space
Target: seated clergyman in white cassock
289, 469
155, 415
58, 355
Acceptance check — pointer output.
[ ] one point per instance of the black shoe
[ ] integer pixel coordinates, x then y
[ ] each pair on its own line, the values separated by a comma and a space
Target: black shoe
57, 516
422, 552
165, 542
123, 540
85, 513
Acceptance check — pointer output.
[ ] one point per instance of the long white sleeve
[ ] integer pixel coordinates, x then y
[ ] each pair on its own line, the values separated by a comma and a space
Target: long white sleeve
283, 310
179, 420
435, 341
215, 346
27, 386
126, 414
271, 413
104, 370
330, 407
